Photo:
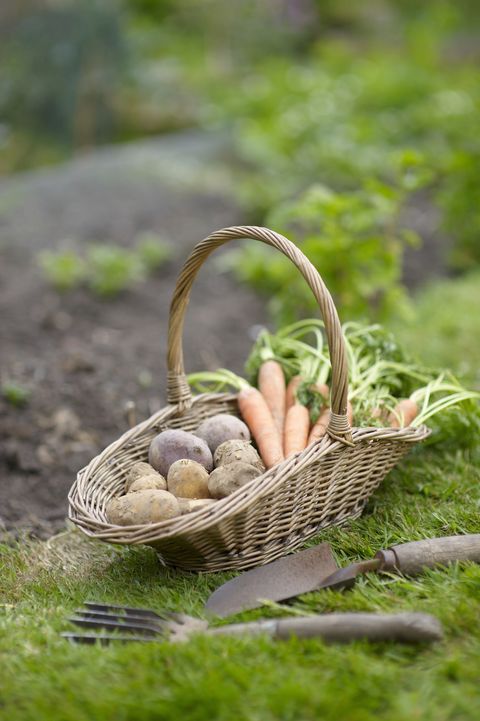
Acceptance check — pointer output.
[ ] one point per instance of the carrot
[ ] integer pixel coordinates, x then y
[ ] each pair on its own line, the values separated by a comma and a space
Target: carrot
297, 424
256, 414
379, 413
349, 413
403, 414
315, 398
323, 389
271, 384
320, 427
291, 396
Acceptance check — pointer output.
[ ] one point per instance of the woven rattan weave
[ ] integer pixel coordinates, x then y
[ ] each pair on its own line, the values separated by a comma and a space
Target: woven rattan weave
327, 483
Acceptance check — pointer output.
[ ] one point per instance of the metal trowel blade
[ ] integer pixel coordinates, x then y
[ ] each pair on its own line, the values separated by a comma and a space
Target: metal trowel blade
277, 581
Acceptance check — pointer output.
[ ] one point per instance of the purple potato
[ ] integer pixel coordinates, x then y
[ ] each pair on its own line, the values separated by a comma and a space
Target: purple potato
173, 445
218, 429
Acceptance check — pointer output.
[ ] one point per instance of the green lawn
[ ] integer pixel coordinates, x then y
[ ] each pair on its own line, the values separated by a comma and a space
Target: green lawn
446, 331
433, 492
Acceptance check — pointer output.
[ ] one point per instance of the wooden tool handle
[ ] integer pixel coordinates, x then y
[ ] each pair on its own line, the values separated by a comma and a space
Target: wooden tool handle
345, 627
411, 558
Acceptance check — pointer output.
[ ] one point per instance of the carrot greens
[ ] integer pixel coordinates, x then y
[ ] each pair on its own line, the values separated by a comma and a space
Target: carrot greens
381, 377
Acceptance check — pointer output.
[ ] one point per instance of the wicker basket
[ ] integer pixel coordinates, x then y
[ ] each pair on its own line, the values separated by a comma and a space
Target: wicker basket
327, 483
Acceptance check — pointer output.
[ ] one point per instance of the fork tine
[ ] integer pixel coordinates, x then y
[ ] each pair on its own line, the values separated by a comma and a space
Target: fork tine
142, 628
127, 610
120, 618
103, 639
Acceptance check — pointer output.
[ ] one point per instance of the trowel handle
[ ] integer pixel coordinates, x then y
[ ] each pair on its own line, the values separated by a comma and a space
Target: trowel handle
411, 558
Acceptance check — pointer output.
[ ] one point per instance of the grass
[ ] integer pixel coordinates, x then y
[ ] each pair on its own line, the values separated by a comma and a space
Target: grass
447, 327
433, 492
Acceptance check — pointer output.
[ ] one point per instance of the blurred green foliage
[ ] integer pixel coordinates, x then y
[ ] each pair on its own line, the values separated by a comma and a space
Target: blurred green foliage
65, 269
112, 269
334, 94
152, 250
312, 92
62, 63
106, 269
342, 118
352, 237
15, 394
445, 332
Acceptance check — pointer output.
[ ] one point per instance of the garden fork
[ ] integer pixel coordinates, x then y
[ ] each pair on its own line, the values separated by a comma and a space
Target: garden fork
144, 625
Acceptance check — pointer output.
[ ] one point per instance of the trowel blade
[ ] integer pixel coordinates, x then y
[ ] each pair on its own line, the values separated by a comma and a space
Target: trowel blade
277, 581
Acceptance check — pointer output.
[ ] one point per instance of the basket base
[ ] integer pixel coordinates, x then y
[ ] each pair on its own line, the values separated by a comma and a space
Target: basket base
185, 557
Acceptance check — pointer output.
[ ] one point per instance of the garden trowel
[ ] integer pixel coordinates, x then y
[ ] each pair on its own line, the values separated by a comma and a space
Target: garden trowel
315, 568
107, 624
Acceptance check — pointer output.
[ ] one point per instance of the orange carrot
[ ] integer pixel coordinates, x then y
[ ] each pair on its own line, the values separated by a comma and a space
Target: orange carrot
297, 424
291, 396
256, 414
271, 384
323, 389
293, 386
379, 413
320, 427
403, 414
349, 413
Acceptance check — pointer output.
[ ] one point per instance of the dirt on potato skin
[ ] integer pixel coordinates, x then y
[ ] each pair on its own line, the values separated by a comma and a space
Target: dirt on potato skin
81, 357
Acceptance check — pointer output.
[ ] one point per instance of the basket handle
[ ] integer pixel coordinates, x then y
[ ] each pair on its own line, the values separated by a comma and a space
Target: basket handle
178, 390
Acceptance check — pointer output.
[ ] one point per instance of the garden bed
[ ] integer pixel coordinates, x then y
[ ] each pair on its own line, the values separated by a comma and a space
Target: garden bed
79, 358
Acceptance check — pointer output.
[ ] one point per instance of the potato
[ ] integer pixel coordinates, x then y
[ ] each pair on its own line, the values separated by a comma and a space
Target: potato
188, 505
137, 471
170, 446
188, 479
153, 480
236, 450
141, 507
226, 479
218, 429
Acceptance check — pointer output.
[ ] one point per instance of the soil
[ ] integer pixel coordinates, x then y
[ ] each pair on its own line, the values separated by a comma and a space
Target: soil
82, 358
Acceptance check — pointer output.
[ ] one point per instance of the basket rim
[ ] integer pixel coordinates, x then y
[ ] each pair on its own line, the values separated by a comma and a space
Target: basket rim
80, 513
